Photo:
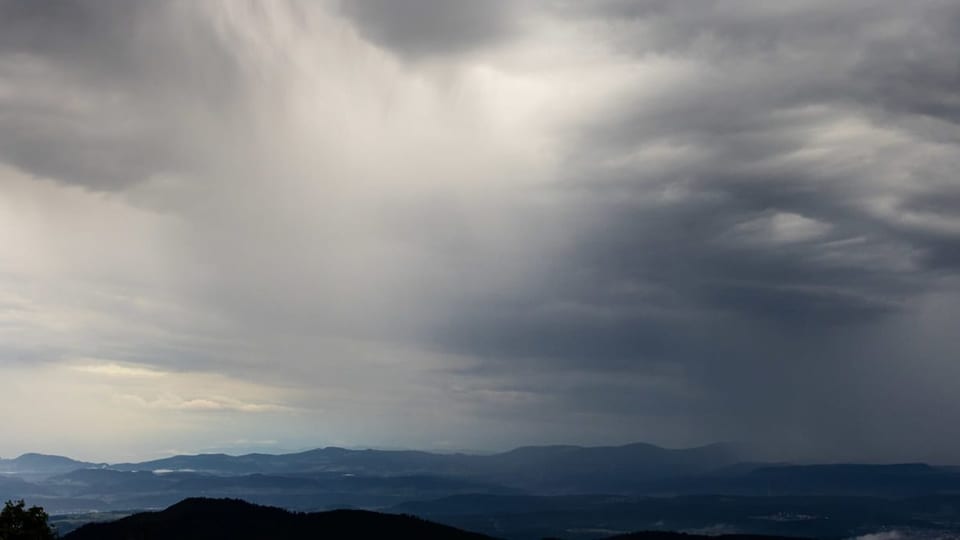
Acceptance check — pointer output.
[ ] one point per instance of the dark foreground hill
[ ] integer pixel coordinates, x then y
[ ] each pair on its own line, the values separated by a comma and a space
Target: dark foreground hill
233, 519
216, 519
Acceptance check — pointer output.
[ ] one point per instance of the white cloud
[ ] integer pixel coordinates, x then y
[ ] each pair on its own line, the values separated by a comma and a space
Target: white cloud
118, 370
202, 404
884, 535
779, 228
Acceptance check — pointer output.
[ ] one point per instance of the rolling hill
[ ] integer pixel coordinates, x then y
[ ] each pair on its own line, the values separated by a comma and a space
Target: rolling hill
229, 519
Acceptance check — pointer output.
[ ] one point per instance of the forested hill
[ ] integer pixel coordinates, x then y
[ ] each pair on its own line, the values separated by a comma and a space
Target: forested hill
223, 519
233, 519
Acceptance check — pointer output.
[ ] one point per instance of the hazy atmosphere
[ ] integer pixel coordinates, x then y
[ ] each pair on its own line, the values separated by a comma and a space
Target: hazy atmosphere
473, 225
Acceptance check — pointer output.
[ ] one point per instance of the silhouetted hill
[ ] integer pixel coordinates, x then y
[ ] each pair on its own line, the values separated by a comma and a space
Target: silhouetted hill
213, 519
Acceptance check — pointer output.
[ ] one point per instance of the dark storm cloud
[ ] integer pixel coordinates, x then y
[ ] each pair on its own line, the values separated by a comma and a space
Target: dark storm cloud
743, 121
809, 199
68, 28
106, 88
424, 28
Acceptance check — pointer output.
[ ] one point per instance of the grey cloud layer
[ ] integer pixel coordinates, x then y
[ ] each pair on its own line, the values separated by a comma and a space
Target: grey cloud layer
418, 28
750, 230
102, 88
756, 216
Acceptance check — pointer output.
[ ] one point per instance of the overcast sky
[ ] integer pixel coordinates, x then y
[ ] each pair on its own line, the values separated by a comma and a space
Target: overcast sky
459, 224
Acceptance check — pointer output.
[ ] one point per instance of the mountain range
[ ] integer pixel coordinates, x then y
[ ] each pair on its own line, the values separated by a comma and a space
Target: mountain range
616, 488
612, 467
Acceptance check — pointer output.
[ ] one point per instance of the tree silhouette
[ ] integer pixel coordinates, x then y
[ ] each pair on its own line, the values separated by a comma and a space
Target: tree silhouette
17, 522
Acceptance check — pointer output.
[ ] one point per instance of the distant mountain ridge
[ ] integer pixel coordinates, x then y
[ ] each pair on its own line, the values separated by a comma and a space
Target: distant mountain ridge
43, 464
335, 477
337, 458
551, 468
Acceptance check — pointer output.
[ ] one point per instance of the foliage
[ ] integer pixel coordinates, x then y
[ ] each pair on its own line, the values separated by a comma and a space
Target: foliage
17, 522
